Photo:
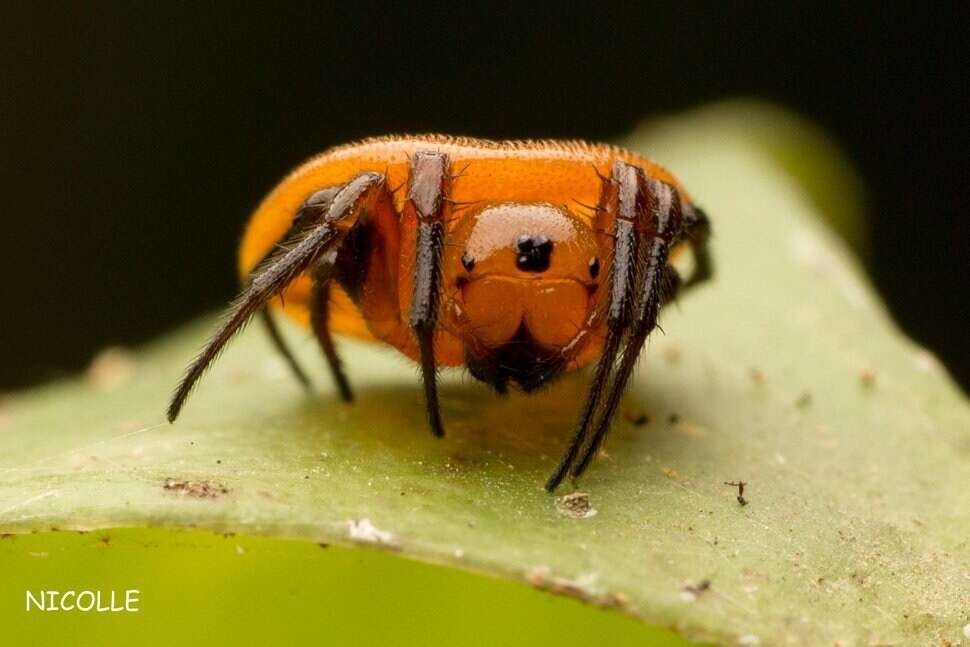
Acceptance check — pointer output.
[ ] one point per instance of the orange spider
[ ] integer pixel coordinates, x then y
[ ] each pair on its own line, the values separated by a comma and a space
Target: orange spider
517, 259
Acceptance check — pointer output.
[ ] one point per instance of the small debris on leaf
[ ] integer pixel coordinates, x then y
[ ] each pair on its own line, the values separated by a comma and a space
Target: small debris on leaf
575, 505
197, 489
364, 531
740, 485
691, 592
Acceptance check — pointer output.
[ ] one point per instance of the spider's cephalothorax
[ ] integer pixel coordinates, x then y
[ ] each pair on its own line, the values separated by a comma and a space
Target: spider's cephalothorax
519, 290
519, 260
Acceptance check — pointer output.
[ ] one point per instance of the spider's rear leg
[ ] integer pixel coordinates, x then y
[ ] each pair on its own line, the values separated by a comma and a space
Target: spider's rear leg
310, 214
281, 270
276, 338
320, 321
698, 234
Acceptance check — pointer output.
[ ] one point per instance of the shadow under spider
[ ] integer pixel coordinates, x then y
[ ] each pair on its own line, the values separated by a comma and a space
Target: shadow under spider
528, 432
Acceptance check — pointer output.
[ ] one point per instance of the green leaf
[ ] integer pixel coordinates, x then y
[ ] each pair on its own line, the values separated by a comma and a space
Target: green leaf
785, 372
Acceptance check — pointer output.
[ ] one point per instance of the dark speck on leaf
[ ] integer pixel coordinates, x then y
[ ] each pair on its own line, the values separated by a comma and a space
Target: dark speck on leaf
637, 419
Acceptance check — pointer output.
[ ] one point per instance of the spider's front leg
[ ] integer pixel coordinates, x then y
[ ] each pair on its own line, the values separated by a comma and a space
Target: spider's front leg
622, 200
656, 282
647, 219
427, 192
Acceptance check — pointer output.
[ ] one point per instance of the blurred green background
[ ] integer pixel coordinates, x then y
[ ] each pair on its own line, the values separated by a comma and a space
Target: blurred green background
200, 588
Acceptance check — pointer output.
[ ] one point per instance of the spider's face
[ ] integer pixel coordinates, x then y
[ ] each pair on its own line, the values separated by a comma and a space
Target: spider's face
522, 271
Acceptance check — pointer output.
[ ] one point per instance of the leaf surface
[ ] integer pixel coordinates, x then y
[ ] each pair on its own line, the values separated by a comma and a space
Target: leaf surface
785, 373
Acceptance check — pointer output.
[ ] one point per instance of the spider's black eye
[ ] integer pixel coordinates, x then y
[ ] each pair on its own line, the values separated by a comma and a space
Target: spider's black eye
534, 253
594, 267
467, 262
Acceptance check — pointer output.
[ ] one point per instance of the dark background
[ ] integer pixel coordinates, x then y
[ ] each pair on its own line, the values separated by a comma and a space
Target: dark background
134, 141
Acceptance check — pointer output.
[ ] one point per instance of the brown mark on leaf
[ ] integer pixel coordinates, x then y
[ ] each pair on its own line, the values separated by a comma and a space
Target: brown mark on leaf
581, 588
672, 354
197, 489
110, 369
689, 429
575, 506
868, 378
670, 473
637, 419
757, 375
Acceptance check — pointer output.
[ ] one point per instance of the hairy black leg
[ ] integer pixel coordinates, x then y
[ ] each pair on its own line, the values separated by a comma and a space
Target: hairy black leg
699, 233
626, 182
278, 274
673, 286
600, 381
426, 192
310, 214
655, 284
320, 321
278, 342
